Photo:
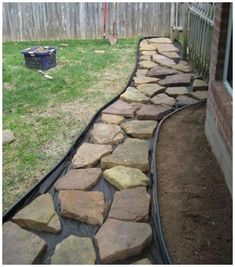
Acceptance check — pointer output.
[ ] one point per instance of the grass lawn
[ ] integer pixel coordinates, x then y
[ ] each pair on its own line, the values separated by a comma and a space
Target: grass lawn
46, 116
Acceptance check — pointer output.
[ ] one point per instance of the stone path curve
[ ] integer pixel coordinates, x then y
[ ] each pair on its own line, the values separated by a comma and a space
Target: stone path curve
101, 206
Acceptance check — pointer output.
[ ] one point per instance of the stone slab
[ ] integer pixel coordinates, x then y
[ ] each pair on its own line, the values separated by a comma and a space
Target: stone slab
200, 95
88, 155
153, 112
160, 40
183, 100
74, 250
146, 64
163, 99
20, 246
39, 215
133, 95
176, 91
160, 71
144, 80
151, 89
141, 72
112, 119
176, 79
148, 53
120, 108
180, 67
139, 129
145, 57
128, 155
162, 60
79, 179
171, 55
148, 47
87, 207
144, 261
199, 85
166, 48
130, 238
106, 134
131, 205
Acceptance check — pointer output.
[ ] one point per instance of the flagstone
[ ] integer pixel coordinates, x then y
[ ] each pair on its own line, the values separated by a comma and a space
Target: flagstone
112, 119
141, 72
125, 155
160, 40
153, 112
148, 47
166, 48
176, 79
183, 100
148, 53
79, 179
199, 85
176, 91
172, 55
134, 95
39, 215
145, 57
144, 261
121, 108
146, 64
180, 67
162, 60
200, 95
163, 99
160, 71
151, 89
143, 80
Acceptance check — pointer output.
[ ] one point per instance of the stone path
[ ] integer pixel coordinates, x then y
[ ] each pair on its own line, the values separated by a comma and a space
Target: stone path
115, 157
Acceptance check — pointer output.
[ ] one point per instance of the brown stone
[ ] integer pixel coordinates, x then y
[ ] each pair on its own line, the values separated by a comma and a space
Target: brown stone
153, 112
148, 53
88, 155
166, 48
120, 108
79, 179
130, 205
159, 40
144, 80
117, 240
177, 79
151, 89
145, 57
39, 215
180, 67
163, 99
141, 72
199, 85
183, 100
87, 207
139, 129
112, 119
162, 60
148, 47
144, 261
171, 55
133, 95
175, 91
20, 246
106, 134
200, 95
125, 155
146, 64
159, 71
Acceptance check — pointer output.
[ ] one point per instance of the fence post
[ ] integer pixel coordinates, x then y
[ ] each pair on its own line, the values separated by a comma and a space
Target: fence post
185, 32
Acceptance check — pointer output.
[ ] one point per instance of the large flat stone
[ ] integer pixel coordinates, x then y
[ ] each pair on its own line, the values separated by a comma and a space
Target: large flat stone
148, 53
133, 95
117, 240
79, 179
112, 119
141, 72
163, 99
143, 80
39, 215
183, 100
106, 134
146, 64
159, 71
131, 205
120, 108
145, 57
181, 66
166, 48
159, 40
200, 95
162, 60
171, 55
74, 250
148, 47
139, 129
199, 85
153, 112
88, 155
176, 91
151, 89
125, 177
20, 246
87, 207
177, 79
132, 153
144, 261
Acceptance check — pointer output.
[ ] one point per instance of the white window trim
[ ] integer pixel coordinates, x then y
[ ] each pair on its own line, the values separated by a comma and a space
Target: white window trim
230, 21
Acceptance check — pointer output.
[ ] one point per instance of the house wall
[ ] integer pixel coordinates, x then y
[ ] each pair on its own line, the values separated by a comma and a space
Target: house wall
219, 110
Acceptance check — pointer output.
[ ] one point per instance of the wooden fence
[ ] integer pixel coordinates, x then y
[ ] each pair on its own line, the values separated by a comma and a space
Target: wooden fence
39, 21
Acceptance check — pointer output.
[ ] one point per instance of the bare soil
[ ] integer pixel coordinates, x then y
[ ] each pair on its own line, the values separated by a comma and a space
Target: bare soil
195, 204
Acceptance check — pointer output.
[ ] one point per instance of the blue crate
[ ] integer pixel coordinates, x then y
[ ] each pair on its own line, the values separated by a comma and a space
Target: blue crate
39, 57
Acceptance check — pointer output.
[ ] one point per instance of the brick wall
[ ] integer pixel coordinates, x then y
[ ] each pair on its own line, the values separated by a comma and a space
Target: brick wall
219, 108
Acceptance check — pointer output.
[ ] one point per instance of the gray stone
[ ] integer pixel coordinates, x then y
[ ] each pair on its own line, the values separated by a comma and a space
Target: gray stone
180, 67
159, 71
120, 108
148, 47
144, 80
176, 91
7, 136
145, 57
131, 205
148, 53
79, 179
163, 99
159, 40
141, 72
177, 79
171, 55
74, 250
183, 100
87, 207
139, 129
146, 64
200, 95
125, 155
134, 95
39, 215
112, 119
88, 155
153, 112
199, 85
162, 60
117, 240
106, 134
151, 89
166, 48
20, 246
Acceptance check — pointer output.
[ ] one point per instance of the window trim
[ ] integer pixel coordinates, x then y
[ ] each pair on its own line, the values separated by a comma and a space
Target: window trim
229, 34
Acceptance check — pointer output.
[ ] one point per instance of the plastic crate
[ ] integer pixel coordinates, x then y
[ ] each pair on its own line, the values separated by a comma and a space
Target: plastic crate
40, 57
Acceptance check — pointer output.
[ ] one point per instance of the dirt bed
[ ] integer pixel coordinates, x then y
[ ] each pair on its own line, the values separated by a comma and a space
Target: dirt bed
196, 206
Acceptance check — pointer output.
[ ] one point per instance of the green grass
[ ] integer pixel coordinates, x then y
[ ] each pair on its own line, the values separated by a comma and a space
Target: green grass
47, 115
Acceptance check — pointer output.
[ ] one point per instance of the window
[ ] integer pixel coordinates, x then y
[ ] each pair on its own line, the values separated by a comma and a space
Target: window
228, 63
